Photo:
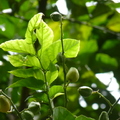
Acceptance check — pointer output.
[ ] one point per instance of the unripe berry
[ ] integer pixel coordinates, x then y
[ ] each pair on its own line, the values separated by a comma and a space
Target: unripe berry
85, 91
72, 75
60, 58
27, 115
104, 116
34, 107
5, 104
56, 16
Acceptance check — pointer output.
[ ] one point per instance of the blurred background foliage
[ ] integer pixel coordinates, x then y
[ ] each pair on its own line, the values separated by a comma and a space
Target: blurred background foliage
96, 23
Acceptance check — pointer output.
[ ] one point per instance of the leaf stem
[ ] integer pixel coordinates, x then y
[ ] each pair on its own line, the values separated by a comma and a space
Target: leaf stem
47, 93
63, 64
109, 103
113, 105
15, 108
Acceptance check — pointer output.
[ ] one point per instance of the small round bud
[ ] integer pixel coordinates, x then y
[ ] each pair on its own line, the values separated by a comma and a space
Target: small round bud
57, 67
60, 58
85, 91
104, 116
72, 75
27, 115
34, 107
5, 104
56, 16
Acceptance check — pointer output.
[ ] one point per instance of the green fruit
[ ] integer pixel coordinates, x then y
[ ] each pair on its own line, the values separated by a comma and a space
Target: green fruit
27, 115
85, 91
5, 104
104, 116
56, 16
34, 107
72, 75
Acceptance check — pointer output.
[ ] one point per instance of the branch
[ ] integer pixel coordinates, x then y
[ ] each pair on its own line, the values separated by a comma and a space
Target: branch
93, 26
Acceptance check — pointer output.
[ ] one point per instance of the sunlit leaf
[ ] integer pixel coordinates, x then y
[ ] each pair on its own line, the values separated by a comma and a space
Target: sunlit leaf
33, 24
44, 35
55, 90
38, 74
19, 46
114, 23
28, 82
52, 74
61, 113
24, 73
71, 49
28, 72
82, 117
19, 60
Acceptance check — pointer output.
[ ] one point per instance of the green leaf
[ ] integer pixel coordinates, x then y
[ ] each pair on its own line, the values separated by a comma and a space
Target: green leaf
87, 48
19, 46
38, 74
29, 72
40, 96
52, 74
31, 83
105, 60
55, 91
61, 113
24, 73
71, 48
114, 23
33, 24
19, 60
45, 35
82, 117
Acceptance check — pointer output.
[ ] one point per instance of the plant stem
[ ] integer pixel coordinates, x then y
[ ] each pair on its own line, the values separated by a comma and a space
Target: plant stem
47, 93
63, 64
112, 107
109, 103
15, 108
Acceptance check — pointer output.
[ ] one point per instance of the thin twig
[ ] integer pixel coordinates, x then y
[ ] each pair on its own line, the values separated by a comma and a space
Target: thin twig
109, 103
15, 108
63, 64
112, 107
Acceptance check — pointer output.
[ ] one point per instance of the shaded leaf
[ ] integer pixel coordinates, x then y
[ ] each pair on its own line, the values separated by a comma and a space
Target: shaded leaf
61, 113
82, 117
19, 46
40, 96
106, 61
29, 83
55, 90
